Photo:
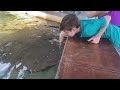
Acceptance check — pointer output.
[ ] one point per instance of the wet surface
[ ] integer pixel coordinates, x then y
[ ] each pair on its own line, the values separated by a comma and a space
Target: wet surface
30, 52
83, 60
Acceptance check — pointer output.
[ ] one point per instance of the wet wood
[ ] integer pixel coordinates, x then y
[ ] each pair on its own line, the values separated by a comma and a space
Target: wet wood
83, 60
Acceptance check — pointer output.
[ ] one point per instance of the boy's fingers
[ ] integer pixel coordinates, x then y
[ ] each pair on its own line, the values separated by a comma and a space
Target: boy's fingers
94, 42
90, 39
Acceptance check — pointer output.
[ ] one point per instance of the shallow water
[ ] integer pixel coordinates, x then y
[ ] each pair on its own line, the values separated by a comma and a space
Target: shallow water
29, 53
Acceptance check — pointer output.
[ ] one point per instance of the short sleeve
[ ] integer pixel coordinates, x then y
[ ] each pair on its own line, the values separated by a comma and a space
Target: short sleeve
92, 27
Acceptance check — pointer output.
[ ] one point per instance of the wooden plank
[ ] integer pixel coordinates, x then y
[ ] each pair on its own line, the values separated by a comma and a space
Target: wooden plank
83, 60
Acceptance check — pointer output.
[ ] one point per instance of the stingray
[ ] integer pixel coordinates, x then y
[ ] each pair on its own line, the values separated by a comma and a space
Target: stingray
31, 48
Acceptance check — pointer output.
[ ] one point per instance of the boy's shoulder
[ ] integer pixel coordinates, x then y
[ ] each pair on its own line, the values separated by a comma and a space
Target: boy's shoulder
83, 21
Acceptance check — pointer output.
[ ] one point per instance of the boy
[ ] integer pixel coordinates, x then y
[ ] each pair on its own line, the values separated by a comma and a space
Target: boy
95, 29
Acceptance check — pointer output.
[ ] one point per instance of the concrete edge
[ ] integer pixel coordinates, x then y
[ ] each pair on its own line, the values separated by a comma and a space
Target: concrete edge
52, 16
55, 16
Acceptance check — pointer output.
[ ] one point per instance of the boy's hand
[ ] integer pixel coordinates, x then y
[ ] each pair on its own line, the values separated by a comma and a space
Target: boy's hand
62, 43
94, 39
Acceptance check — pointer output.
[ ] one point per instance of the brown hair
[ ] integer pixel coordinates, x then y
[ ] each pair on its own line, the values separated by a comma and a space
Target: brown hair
68, 22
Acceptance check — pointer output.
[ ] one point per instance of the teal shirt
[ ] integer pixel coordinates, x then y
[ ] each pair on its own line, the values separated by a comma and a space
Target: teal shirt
89, 28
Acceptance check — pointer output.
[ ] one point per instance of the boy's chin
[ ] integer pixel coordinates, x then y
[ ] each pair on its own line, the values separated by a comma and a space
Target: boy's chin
70, 36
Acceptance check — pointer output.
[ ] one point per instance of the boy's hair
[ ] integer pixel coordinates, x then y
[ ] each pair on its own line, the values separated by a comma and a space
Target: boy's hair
68, 22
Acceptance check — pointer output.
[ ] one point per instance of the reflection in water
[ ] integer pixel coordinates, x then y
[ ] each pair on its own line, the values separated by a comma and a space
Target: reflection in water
3, 68
9, 73
21, 73
6, 70
18, 65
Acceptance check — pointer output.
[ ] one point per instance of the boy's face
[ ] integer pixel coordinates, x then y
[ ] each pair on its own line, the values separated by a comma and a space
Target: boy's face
72, 32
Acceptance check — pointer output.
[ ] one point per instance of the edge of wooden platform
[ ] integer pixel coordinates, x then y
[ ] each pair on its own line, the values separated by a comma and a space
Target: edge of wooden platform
58, 70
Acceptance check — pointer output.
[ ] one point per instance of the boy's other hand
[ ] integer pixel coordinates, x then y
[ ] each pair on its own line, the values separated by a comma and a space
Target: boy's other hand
94, 39
62, 43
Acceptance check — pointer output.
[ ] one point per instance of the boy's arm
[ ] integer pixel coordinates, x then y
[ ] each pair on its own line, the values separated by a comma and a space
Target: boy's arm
91, 14
96, 39
61, 36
